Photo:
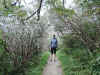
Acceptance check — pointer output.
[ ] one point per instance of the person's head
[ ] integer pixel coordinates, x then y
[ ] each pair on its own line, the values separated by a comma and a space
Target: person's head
54, 36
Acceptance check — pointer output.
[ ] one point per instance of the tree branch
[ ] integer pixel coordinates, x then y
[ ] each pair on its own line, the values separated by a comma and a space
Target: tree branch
37, 11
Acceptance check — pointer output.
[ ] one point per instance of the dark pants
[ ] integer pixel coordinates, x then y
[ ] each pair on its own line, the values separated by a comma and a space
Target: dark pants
53, 50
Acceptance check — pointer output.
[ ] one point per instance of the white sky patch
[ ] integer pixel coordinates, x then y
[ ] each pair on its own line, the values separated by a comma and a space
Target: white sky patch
29, 4
43, 11
69, 3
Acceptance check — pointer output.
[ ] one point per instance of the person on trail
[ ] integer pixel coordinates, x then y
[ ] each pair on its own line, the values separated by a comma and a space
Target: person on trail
53, 47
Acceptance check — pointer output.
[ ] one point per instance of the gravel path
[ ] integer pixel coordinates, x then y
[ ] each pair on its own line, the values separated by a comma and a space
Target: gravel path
53, 68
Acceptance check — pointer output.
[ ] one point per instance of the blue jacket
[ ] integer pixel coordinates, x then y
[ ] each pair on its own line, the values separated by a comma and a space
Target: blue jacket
54, 43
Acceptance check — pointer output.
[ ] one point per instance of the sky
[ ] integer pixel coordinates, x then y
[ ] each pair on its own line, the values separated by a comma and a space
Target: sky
29, 5
69, 3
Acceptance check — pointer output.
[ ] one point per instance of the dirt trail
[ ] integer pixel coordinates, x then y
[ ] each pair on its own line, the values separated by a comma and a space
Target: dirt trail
53, 68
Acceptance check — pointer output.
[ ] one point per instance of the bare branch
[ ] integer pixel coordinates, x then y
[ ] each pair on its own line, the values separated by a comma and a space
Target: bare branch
37, 11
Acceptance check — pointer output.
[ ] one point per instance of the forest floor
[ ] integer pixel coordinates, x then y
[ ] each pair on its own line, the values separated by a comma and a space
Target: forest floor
53, 68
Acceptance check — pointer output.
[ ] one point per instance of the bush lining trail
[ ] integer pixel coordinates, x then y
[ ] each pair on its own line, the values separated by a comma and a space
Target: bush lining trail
70, 66
39, 69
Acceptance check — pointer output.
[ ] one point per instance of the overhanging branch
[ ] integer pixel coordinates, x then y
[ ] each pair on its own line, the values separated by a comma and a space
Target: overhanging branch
37, 11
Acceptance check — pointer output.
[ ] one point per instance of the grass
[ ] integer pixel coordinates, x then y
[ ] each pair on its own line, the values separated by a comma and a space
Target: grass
39, 69
70, 66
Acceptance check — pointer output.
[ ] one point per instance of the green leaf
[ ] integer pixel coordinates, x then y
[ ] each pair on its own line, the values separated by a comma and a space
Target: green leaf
67, 12
21, 13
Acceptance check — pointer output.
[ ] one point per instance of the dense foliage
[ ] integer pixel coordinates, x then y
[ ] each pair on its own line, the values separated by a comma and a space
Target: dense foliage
20, 41
23, 32
83, 43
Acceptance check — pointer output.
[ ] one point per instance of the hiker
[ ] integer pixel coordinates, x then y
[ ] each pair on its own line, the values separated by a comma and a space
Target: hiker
53, 47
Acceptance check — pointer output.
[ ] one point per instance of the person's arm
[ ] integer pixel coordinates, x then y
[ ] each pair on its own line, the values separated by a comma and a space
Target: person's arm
50, 45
